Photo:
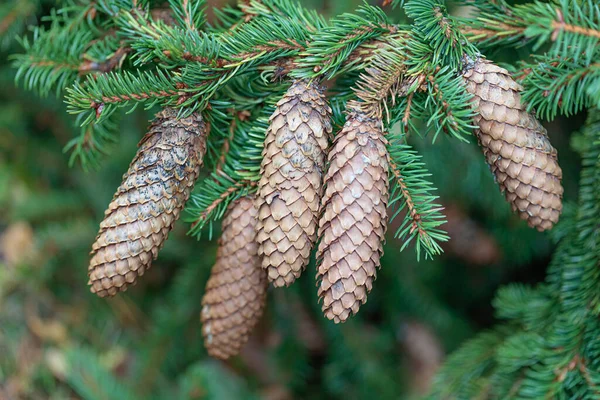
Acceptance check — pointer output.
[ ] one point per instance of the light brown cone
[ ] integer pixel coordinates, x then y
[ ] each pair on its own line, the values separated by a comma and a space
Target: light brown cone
148, 202
236, 291
516, 145
290, 187
353, 220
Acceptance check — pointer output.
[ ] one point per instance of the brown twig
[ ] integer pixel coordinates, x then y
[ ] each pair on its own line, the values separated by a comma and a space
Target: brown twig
525, 72
403, 91
188, 19
270, 46
114, 61
438, 94
482, 34
244, 5
53, 64
375, 86
8, 20
391, 29
136, 96
561, 25
412, 211
283, 65
563, 82
444, 23
406, 116
204, 215
242, 116
215, 62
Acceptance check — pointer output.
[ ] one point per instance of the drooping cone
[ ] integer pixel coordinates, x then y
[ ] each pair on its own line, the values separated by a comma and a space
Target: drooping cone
290, 187
353, 221
516, 145
236, 291
148, 202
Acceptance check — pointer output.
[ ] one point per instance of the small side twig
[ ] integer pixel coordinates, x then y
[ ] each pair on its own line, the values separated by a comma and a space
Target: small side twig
212, 206
561, 25
412, 211
114, 61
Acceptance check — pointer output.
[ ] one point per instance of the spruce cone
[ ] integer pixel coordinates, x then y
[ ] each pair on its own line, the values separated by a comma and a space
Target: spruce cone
236, 291
353, 221
148, 202
290, 187
516, 145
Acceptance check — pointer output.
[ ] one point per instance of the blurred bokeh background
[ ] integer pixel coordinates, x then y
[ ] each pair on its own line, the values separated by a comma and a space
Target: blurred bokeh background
59, 341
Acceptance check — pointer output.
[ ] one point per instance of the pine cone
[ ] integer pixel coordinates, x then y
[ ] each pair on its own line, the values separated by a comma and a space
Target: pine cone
148, 202
353, 221
290, 187
516, 145
236, 291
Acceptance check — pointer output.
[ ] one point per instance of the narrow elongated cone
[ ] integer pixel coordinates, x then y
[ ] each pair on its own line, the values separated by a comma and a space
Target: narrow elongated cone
236, 291
290, 186
148, 202
353, 220
515, 145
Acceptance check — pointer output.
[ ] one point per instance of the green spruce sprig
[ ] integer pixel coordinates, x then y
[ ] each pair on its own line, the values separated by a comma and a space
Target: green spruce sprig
411, 196
571, 27
332, 47
560, 86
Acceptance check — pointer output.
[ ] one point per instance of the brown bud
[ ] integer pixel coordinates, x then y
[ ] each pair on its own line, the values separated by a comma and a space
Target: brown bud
353, 221
236, 291
290, 187
516, 145
148, 202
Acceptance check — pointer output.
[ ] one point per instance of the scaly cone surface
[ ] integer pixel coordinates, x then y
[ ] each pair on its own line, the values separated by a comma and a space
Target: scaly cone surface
148, 202
236, 291
290, 186
354, 216
515, 145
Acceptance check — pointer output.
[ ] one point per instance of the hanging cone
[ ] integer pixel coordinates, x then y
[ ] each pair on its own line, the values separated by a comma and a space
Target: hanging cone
237, 289
515, 145
353, 221
290, 187
148, 202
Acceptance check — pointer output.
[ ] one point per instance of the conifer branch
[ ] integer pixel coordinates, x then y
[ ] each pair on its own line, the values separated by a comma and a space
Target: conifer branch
438, 33
187, 11
409, 88
101, 95
238, 174
382, 79
206, 214
412, 211
447, 107
554, 85
93, 142
13, 14
492, 30
331, 47
197, 83
107, 65
412, 191
560, 25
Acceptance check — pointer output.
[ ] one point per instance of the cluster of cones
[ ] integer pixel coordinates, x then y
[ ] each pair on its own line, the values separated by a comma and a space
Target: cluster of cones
308, 190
